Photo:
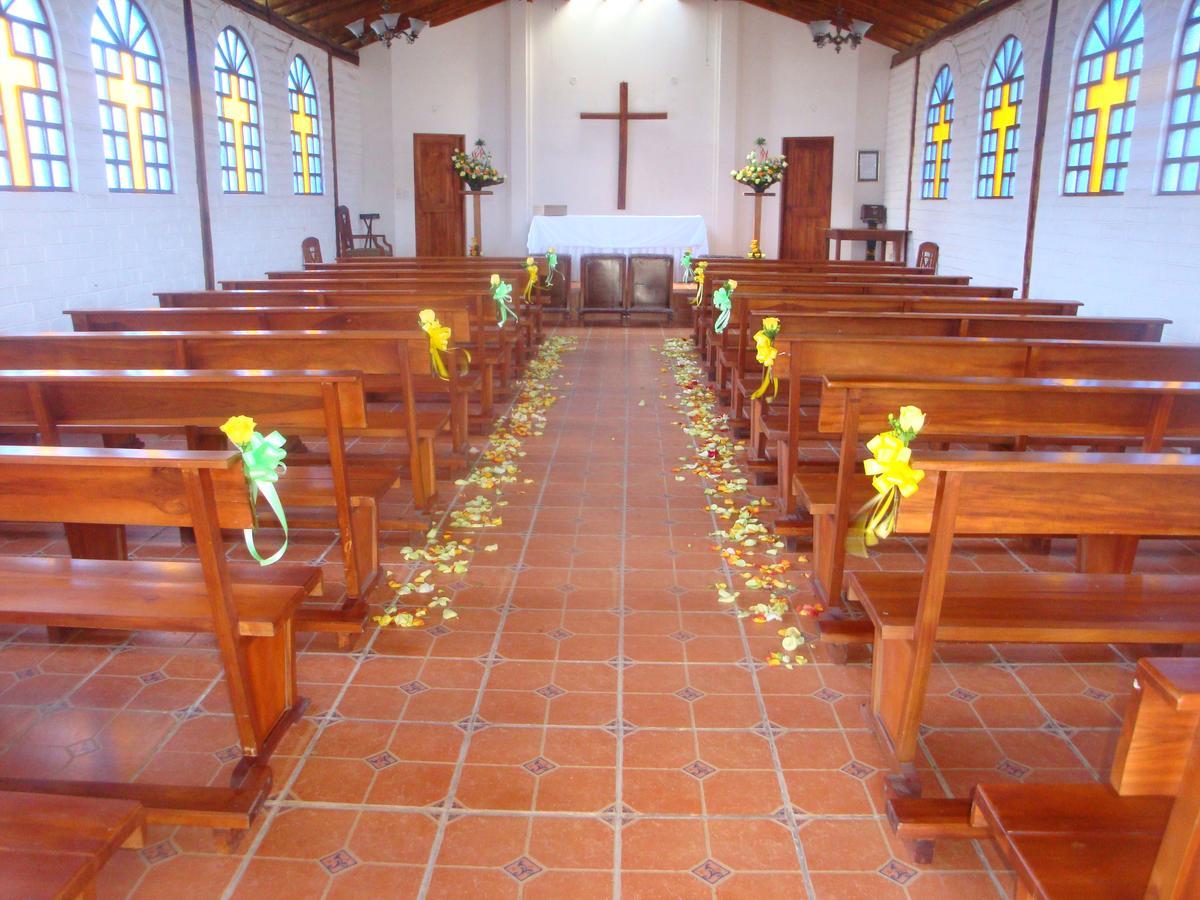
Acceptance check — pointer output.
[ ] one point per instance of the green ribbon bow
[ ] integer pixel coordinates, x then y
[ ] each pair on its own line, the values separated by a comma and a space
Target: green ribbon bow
722, 302
262, 461
686, 262
551, 266
500, 293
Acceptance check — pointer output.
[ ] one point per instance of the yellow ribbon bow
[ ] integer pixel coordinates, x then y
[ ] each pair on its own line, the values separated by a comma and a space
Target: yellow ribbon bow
893, 478
765, 353
531, 270
699, 276
439, 342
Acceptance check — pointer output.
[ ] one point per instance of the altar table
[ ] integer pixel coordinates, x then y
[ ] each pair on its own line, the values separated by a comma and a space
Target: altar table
577, 235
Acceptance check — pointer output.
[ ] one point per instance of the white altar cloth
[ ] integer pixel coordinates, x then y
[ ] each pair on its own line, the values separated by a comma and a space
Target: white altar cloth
577, 235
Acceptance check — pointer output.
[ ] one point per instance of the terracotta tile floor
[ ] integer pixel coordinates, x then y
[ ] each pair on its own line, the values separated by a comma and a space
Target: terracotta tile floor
593, 724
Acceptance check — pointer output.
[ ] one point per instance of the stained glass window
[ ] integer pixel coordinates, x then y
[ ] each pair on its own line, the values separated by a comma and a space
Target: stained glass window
306, 129
1001, 135
237, 116
935, 172
1102, 107
133, 104
1181, 167
33, 136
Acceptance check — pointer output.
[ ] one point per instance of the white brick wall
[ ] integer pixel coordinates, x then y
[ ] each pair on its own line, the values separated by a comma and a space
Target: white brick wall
92, 248
1127, 255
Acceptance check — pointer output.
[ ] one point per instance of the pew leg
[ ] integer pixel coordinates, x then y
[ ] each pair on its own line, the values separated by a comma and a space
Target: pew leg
487, 390
428, 461
898, 678
271, 686
363, 560
1106, 553
824, 557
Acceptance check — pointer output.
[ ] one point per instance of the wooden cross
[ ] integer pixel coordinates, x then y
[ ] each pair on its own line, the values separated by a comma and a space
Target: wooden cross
623, 116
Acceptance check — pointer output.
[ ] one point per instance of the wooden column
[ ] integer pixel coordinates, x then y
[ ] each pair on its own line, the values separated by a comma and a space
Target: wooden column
477, 214
198, 126
758, 199
333, 135
1039, 138
912, 147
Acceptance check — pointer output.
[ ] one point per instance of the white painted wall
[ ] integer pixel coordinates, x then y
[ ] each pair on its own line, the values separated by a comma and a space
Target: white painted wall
1132, 254
520, 74
92, 248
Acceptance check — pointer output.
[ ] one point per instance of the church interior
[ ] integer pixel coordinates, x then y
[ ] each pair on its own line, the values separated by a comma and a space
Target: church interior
599, 449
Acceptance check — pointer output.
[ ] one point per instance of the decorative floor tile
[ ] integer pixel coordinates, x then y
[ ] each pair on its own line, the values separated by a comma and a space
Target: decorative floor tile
229, 754
83, 748
152, 677
964, 695
896, 871
710, 872
682, 636
559, 634
522, 869
539, 766
689, 693
699, 769
338, 862
1013, 769
550, 691
156, 853
829, 695
382, 760
414, 687
858, 769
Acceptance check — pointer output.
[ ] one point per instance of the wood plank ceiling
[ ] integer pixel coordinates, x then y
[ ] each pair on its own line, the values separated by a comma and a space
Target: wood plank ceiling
898, 24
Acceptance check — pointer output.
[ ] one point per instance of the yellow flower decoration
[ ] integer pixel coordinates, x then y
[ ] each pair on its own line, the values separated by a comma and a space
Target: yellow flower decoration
239, 429
890, 466
495, 279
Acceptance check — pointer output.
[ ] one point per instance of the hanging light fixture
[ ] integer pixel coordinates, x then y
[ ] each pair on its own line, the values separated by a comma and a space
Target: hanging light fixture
839, 30
389, 26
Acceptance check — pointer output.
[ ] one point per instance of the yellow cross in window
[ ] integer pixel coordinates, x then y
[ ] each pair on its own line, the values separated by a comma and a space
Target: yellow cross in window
1004, 117
237, 111
941, 137
132, 94
16, 73
1102, 97
303, 125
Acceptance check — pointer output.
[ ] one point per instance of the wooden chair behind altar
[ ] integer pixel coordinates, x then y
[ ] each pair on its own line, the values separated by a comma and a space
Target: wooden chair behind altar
558, 297
370, 244
648, 284
310, 250
927, 256
602, 283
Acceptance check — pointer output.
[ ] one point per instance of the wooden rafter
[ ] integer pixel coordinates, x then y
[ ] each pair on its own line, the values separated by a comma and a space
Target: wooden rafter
907, 26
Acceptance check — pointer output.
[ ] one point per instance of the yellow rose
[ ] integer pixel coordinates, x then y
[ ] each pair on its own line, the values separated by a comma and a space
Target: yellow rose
770, 324
239, 429
529, 261
732, 285
911, 418
426, 316
495, 280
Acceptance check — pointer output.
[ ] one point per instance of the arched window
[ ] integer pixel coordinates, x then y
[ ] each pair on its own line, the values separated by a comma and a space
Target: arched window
306, 129
1001, 135
935, 173
1106, 90
1181, 166
33, 136
237, 116
133, 103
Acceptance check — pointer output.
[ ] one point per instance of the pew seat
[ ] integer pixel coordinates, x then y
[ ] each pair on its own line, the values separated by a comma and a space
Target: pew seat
1035, 607
54, 847
143, 595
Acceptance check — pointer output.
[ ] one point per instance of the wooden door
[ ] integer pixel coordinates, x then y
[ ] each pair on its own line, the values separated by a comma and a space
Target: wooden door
807, 191
440, 206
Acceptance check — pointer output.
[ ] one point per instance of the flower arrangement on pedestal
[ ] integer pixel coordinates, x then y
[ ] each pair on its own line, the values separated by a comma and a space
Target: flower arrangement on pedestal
755, 250
475, 168
761, 169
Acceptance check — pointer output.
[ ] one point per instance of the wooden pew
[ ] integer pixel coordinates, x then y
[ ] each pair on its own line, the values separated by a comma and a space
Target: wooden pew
804, 360
478, 384
968, 493
247, 609
59, 404
54, 847
736, 365
387, 360
703, 332
1132, 837
977, 410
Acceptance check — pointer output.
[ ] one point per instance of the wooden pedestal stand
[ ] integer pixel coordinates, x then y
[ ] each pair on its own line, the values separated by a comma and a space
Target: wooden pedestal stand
758, 199
478, 216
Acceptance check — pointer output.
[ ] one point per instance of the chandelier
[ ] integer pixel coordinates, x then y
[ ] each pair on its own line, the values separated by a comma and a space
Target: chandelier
389, 26
839, 30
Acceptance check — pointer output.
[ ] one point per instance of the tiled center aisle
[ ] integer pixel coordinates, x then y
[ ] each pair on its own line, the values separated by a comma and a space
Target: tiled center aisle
594, 724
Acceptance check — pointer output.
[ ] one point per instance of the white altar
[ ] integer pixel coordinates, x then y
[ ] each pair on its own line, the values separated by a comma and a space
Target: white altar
576, 235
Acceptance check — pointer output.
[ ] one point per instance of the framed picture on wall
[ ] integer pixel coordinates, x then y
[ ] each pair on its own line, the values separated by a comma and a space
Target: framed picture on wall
868, 165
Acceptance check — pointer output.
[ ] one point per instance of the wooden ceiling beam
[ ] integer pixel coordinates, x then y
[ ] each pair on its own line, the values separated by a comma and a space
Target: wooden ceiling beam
286, 25
321, 16
891, 31
974, 17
